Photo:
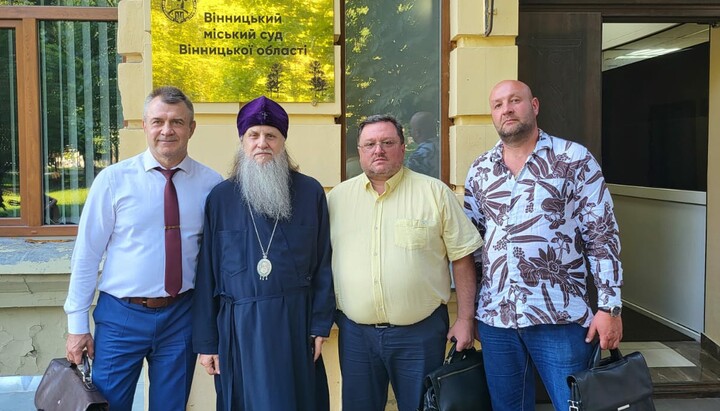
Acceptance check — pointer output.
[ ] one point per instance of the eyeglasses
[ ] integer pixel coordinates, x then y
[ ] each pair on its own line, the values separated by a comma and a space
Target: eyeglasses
384, 145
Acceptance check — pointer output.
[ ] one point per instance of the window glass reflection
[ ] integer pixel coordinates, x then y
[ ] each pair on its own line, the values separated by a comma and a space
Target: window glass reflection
9, 149
392, 66
81, 111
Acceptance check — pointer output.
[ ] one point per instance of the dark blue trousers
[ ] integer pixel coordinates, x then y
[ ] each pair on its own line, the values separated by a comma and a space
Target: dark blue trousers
371, 357
126, 334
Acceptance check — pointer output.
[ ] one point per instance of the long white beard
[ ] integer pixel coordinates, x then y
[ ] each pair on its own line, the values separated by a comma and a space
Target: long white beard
266, 187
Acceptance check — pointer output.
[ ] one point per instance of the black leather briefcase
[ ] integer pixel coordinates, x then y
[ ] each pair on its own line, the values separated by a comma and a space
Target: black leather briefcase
458, 385
614, 383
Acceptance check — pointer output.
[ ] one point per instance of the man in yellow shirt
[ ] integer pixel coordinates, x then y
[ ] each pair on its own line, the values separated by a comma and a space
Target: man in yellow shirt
394, 233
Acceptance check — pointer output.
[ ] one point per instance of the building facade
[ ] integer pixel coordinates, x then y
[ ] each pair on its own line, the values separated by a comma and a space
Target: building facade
553, 45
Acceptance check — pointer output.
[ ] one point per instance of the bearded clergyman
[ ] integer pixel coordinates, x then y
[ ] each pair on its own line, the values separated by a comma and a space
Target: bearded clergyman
264, 299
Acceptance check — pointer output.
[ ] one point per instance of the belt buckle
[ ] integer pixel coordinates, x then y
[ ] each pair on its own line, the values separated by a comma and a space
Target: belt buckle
383, 325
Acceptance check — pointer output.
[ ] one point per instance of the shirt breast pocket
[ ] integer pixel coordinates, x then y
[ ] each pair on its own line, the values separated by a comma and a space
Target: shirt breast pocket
411, 234
232, 252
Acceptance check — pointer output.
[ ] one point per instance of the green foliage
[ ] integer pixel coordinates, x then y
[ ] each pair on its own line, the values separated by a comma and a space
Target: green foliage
66, 201
392, 59
305, 26
70, 196
80, 102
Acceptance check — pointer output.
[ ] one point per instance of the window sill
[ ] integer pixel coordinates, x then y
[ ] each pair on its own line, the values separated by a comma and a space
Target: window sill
34, 272
43, 231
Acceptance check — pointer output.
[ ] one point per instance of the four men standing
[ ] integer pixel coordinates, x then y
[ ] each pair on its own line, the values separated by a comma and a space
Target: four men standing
264, 300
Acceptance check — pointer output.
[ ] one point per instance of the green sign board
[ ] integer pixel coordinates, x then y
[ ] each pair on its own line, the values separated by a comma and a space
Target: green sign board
236, 50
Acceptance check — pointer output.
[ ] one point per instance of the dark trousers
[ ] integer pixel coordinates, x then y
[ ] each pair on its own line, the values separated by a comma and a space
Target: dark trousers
126, 334
371, 357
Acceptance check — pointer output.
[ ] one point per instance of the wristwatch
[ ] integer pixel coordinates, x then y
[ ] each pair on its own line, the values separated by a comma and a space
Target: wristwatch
614, 311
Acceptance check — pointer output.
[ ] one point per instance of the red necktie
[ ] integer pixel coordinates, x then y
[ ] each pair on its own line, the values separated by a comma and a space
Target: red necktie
173, 247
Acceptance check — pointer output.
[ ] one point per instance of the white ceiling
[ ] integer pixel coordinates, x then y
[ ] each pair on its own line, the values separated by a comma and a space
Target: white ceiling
625, 43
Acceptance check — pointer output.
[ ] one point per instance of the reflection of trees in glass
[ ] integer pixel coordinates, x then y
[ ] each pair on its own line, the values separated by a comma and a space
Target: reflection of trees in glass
9, 160
18, 2
392, 59
81, 111
318, 84
272, 81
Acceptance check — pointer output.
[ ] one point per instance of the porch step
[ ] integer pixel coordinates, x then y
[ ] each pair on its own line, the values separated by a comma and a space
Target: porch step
683, 390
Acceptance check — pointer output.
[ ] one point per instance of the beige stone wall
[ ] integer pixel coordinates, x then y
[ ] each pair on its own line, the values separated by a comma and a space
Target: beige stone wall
712, 270
33, 286
30, 337
476, 64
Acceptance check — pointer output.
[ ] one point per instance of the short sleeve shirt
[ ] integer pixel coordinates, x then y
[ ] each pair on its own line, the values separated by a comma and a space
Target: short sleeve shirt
391, 252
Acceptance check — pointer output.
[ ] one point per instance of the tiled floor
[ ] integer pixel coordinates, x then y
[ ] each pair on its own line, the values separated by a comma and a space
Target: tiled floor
657, 354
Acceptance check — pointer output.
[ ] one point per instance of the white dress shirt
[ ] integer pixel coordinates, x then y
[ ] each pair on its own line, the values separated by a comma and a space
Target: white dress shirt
123, 219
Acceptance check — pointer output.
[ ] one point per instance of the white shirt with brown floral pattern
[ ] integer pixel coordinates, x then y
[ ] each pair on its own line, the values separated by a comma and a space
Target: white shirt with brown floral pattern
543, 231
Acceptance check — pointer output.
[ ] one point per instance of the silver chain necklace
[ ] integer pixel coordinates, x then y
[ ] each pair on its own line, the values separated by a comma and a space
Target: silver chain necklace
264, 266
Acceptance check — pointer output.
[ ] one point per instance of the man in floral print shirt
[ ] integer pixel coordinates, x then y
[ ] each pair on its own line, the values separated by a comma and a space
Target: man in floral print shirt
545, 213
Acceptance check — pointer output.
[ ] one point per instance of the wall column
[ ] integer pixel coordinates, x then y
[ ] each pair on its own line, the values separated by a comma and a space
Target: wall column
477, 63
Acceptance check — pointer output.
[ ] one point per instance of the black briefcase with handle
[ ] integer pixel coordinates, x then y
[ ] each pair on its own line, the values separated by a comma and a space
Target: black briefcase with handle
458, 385
614, 383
